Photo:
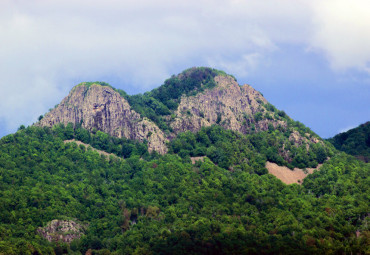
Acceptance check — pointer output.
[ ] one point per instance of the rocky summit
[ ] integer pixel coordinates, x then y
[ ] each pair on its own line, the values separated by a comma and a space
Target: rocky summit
102, 108
98, 106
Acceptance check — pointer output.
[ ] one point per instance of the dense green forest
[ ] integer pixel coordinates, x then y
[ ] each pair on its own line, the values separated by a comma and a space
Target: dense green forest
146, 203
231, 150
355, 141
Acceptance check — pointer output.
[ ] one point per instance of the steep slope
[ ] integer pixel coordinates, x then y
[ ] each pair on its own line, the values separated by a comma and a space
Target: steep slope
101, 108
355, 141
195, 98
228, 104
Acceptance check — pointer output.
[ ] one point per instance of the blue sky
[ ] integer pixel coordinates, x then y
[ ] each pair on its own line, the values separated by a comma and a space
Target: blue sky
309, 58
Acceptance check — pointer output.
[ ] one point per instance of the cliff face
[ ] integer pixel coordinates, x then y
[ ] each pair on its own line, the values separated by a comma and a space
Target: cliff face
102, 108
228, 104
235, 107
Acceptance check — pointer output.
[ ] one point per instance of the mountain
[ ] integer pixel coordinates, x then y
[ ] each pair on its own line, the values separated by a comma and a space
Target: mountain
355, 141
196, 98
100, 107
179, 105
181, 169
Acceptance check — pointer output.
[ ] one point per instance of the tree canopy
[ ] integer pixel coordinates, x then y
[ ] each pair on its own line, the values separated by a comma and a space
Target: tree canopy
355, 141
163, 204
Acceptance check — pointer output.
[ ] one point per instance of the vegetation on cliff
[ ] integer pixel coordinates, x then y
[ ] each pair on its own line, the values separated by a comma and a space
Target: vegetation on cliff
166, 98
196, 98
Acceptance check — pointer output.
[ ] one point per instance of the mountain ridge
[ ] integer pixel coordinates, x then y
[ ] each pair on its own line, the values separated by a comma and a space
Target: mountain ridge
101, 108
195, 98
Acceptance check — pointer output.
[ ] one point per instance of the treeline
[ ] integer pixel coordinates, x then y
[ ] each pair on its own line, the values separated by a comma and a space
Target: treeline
355, 141
121, 147
232, 150
163, 204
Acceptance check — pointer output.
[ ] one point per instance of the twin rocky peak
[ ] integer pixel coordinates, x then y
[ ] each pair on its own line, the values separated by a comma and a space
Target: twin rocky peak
196, 98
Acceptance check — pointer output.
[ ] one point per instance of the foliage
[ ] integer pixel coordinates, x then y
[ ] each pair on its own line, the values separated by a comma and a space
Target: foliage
161, 101
355, 141
89, 84
121, 147
189, 82
142, 203
165, 205
230, 149
145, 203
150, 107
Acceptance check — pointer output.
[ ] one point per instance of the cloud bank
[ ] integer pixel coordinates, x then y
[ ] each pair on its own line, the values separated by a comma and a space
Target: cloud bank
49, 46
341, 32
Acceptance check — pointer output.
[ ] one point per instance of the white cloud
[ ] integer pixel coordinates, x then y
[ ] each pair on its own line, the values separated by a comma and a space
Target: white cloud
241, 65
342, 32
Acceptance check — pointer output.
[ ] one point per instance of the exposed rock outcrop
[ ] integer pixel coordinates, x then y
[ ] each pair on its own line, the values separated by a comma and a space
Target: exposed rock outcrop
297, 139
62, 230
238, 108
101, 108
228, 104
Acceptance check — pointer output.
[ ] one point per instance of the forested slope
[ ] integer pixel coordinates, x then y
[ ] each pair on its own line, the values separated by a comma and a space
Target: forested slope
355, 141
162, 204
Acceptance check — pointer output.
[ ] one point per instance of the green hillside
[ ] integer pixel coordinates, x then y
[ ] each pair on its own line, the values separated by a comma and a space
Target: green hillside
163, 204
355, 141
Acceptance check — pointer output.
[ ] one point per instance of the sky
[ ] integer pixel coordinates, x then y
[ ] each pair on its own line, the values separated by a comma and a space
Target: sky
309, 58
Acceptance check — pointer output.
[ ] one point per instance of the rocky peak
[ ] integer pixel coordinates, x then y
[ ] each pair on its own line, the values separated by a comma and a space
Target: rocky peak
228, 104
102, 108
196, 98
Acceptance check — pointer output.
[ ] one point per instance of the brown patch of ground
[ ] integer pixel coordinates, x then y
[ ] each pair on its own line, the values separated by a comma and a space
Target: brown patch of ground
195, 159
88, 145
289, 176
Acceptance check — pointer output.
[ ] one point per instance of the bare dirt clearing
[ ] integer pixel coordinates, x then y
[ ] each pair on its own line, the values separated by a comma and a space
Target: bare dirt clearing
194, 159
289, 176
